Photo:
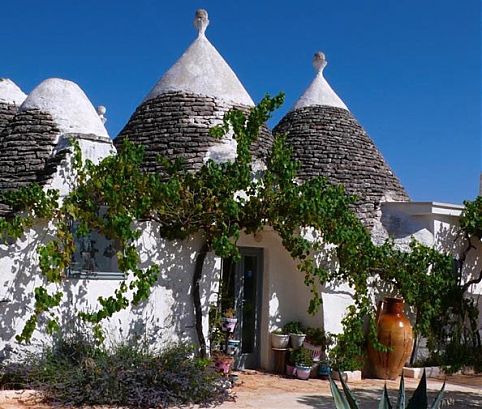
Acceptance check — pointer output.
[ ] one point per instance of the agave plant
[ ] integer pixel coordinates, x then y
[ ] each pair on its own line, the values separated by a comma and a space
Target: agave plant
419, 399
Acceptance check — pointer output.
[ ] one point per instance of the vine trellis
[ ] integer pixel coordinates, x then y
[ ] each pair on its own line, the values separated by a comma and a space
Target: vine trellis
111, 197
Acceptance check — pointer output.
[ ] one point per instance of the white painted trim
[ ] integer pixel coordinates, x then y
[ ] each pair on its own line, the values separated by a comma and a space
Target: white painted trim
426, 208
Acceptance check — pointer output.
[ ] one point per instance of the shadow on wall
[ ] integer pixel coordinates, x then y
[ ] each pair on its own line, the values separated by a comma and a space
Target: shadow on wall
284, 291
166, 317
468, 254
19, 274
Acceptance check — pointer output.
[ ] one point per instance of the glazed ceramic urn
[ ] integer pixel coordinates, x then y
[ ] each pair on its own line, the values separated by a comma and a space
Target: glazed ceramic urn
394, 331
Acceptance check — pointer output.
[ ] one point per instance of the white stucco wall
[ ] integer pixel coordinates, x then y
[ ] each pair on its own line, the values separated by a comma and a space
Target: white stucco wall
285, 296
435, 224
165, 318
168, 314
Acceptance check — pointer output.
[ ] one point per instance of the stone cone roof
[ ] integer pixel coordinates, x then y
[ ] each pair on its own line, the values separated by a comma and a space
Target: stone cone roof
192, 96
11, 97
328, 141
32, 145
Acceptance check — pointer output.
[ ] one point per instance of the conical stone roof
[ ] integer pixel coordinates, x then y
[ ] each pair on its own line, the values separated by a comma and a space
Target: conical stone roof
328, 141
32, 145
11, 97
192, 96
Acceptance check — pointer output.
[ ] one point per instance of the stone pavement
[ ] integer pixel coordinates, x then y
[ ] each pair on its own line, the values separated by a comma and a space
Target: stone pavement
266, 391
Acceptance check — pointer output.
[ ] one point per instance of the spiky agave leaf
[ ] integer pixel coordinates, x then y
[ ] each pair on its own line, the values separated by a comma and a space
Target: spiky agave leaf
349, 395
385, 400
438, 400
419, 398
401, 394
340, 400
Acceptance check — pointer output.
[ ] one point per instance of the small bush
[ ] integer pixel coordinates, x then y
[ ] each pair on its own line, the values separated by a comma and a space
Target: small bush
301, 356
294, 327
457, 357
75, 372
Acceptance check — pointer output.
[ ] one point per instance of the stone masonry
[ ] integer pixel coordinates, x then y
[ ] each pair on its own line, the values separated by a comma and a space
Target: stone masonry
176, 125
7, 112
328, 141
26, 146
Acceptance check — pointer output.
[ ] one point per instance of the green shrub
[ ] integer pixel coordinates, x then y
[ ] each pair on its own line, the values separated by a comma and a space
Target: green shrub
279, 331
317, 336
302, 357
75, 372
294, 327
456, 357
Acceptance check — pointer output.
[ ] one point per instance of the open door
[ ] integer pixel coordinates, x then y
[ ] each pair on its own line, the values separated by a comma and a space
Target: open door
242, 287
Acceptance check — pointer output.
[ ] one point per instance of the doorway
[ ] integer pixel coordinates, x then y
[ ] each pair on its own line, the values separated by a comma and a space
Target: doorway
241, 287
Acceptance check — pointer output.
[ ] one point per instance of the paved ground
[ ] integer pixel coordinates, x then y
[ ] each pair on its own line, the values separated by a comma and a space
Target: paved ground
270, 391
266, 391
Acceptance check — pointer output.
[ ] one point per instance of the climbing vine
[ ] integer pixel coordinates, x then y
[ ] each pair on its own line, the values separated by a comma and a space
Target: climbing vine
314, 220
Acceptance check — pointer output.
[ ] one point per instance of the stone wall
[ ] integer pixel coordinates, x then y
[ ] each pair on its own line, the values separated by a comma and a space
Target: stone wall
7, 112
177, 125
25, 146
328, 141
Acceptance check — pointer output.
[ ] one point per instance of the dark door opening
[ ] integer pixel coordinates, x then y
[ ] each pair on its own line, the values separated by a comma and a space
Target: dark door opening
241, 288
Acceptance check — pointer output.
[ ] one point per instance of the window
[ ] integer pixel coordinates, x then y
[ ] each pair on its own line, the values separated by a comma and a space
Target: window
94, 257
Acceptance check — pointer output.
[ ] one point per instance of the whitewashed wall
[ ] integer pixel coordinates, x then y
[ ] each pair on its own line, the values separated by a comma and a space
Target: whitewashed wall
165, 318
285, 297
435, 224
168, 314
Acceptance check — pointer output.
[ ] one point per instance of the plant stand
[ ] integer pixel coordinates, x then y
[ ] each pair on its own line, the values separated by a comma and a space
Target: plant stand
280, 360
229, 335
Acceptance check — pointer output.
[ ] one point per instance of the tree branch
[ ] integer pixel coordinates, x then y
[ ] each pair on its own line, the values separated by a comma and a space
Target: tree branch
196, 297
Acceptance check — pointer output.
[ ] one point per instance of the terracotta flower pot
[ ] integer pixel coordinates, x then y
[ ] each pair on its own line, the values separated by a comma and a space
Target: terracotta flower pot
394, 331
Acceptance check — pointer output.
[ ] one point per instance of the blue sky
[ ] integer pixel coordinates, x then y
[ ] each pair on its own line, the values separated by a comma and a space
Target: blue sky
410, 71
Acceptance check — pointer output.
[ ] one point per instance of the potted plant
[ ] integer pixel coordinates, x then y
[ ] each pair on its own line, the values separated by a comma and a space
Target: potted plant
229, 320
290, 364
216, 335
316, 341
232, 347
296, 332
222, 362
324, 369
303, 362
279, 340
347, 359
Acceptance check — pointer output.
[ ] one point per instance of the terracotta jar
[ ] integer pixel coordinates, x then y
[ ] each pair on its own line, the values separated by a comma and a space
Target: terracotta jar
395, 332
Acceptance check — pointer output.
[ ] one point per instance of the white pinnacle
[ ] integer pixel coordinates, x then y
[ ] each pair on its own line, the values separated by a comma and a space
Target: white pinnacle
202, 70
10, 93
319, 93
101, 110
201, 21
